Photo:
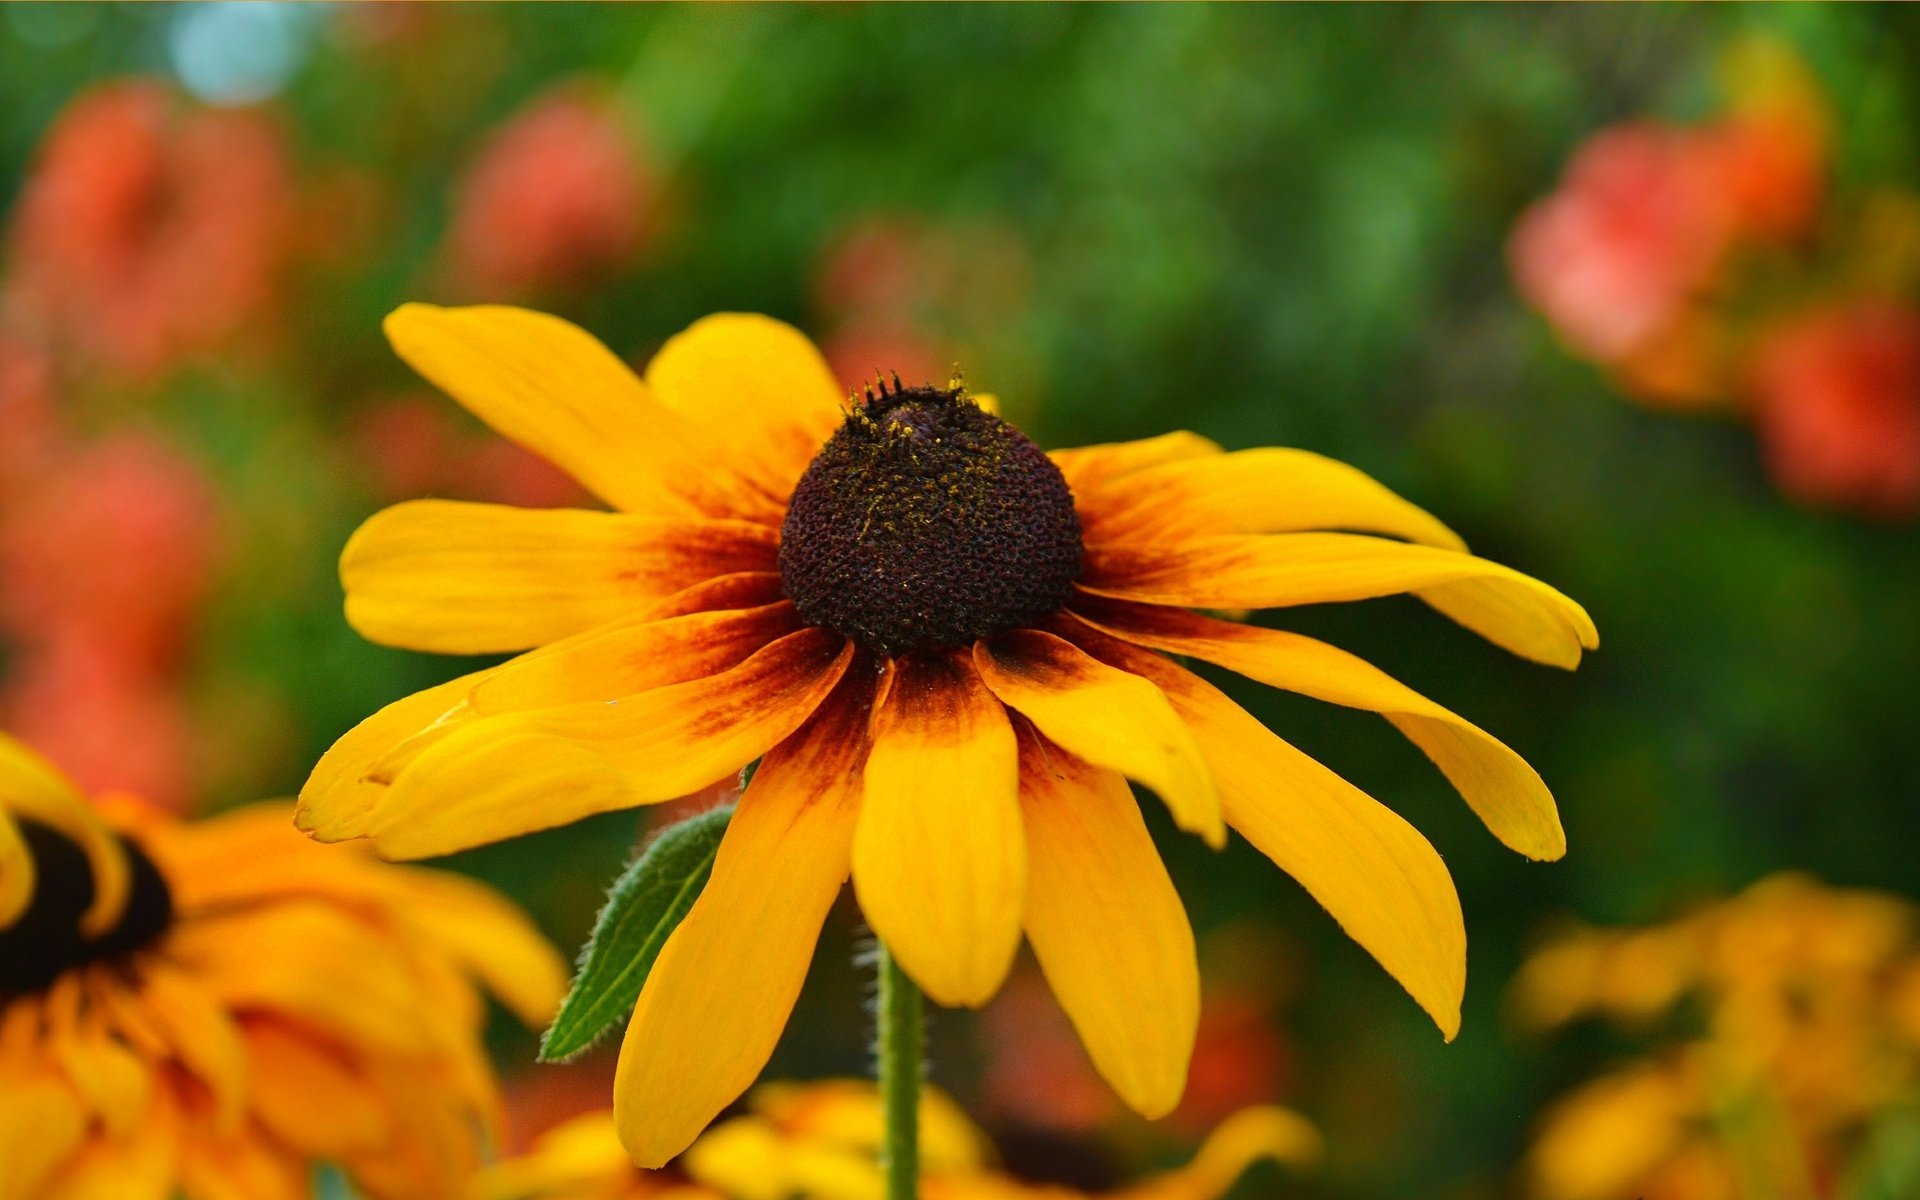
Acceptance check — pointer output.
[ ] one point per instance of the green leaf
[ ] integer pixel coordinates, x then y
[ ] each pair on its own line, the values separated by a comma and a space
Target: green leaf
646, 905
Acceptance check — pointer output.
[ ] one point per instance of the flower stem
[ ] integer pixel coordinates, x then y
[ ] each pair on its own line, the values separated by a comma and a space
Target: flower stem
902, 1024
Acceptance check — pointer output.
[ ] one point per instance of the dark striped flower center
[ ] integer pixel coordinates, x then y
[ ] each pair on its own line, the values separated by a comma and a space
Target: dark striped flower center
46, 942
927, 521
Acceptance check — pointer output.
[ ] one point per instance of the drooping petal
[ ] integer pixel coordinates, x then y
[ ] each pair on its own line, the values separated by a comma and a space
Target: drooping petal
338, 799
1512, 610
756, 386
1107, 716
1365, 865
1249, 1136
726, 980
490, 936
310, 1094
466, 578
1107, 926
501, 776
1268, 490
115, 1080
939, 862
140, 1167
32, 788
203, 1036
1506, 793
552, 387
42, 1122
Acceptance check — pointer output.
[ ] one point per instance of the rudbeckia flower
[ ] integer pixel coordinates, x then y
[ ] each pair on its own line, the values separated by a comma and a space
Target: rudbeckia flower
820, 1141
210, 1010
947, 650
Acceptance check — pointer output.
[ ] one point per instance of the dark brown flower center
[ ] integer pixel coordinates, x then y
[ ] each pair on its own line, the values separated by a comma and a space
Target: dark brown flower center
927, 521
46, 942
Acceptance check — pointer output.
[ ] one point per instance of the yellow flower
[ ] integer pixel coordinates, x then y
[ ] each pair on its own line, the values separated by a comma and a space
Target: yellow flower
1806, 993
209, 1010
948, 649
821, 1141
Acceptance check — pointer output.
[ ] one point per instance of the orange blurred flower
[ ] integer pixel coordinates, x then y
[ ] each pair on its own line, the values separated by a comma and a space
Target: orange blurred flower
150, 228
1837, 400
560, 193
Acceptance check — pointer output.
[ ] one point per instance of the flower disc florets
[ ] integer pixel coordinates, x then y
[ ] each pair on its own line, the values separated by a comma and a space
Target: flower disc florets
46, 942
927, 521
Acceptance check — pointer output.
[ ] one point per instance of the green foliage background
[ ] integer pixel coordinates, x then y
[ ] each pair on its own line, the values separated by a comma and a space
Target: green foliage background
1270, 225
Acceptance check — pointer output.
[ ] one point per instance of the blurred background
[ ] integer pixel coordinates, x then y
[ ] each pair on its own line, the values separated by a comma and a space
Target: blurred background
1624, 294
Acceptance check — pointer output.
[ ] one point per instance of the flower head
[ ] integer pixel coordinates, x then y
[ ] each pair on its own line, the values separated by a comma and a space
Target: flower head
820, 1141
210, 1010
948, 651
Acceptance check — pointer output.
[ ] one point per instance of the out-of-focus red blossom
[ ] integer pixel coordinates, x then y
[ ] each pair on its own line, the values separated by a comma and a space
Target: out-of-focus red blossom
1239, 1060
1630, 238
107, 724
1038, 1075
879, 265
1837, 402
414, 447
862, 351
111, 544
540, 1096
560, 193
150, 228
1771, 148
26, 412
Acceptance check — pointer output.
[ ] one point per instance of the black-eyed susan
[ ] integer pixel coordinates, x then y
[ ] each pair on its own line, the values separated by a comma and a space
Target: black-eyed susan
209, 1010
820, 1141
948, 651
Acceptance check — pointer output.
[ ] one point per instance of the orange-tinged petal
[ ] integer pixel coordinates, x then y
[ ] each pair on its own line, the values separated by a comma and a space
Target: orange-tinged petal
114, 1079
143, 1166
1107, 716
310, 1094
756, 386
42, 1122
338, 799
1268, 490
33, 788
1507, 794
501, 776
939, 861
202, 1034
465, 578
1512, 610
721, 990
1365, 865
1107, 926
552, 387
490, 936
1249, 1136
631, 657
241, 1167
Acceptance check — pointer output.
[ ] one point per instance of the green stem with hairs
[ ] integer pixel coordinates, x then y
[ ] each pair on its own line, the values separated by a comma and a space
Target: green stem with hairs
902, 1022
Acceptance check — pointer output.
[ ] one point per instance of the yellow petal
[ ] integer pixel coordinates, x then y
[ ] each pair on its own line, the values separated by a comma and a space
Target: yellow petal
755, 385
33, 788
1091, 469
338, 799
939, 862
1514, 611
552, 387
203, 1036
1506, 793
242, 1167
1602, 1139
1106, 716
501, 776
1365, 865
42, 1122
490, 936
310, 1094
1107, 926
16, 872
723, 986
114, 1080
140, 1167
465, 578
1269, 490
631, 657
1249, 1136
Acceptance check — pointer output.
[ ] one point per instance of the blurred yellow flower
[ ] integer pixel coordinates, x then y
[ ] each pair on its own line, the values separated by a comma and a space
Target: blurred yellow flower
820, 1141
951, 650
1808, 996
208, 1010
